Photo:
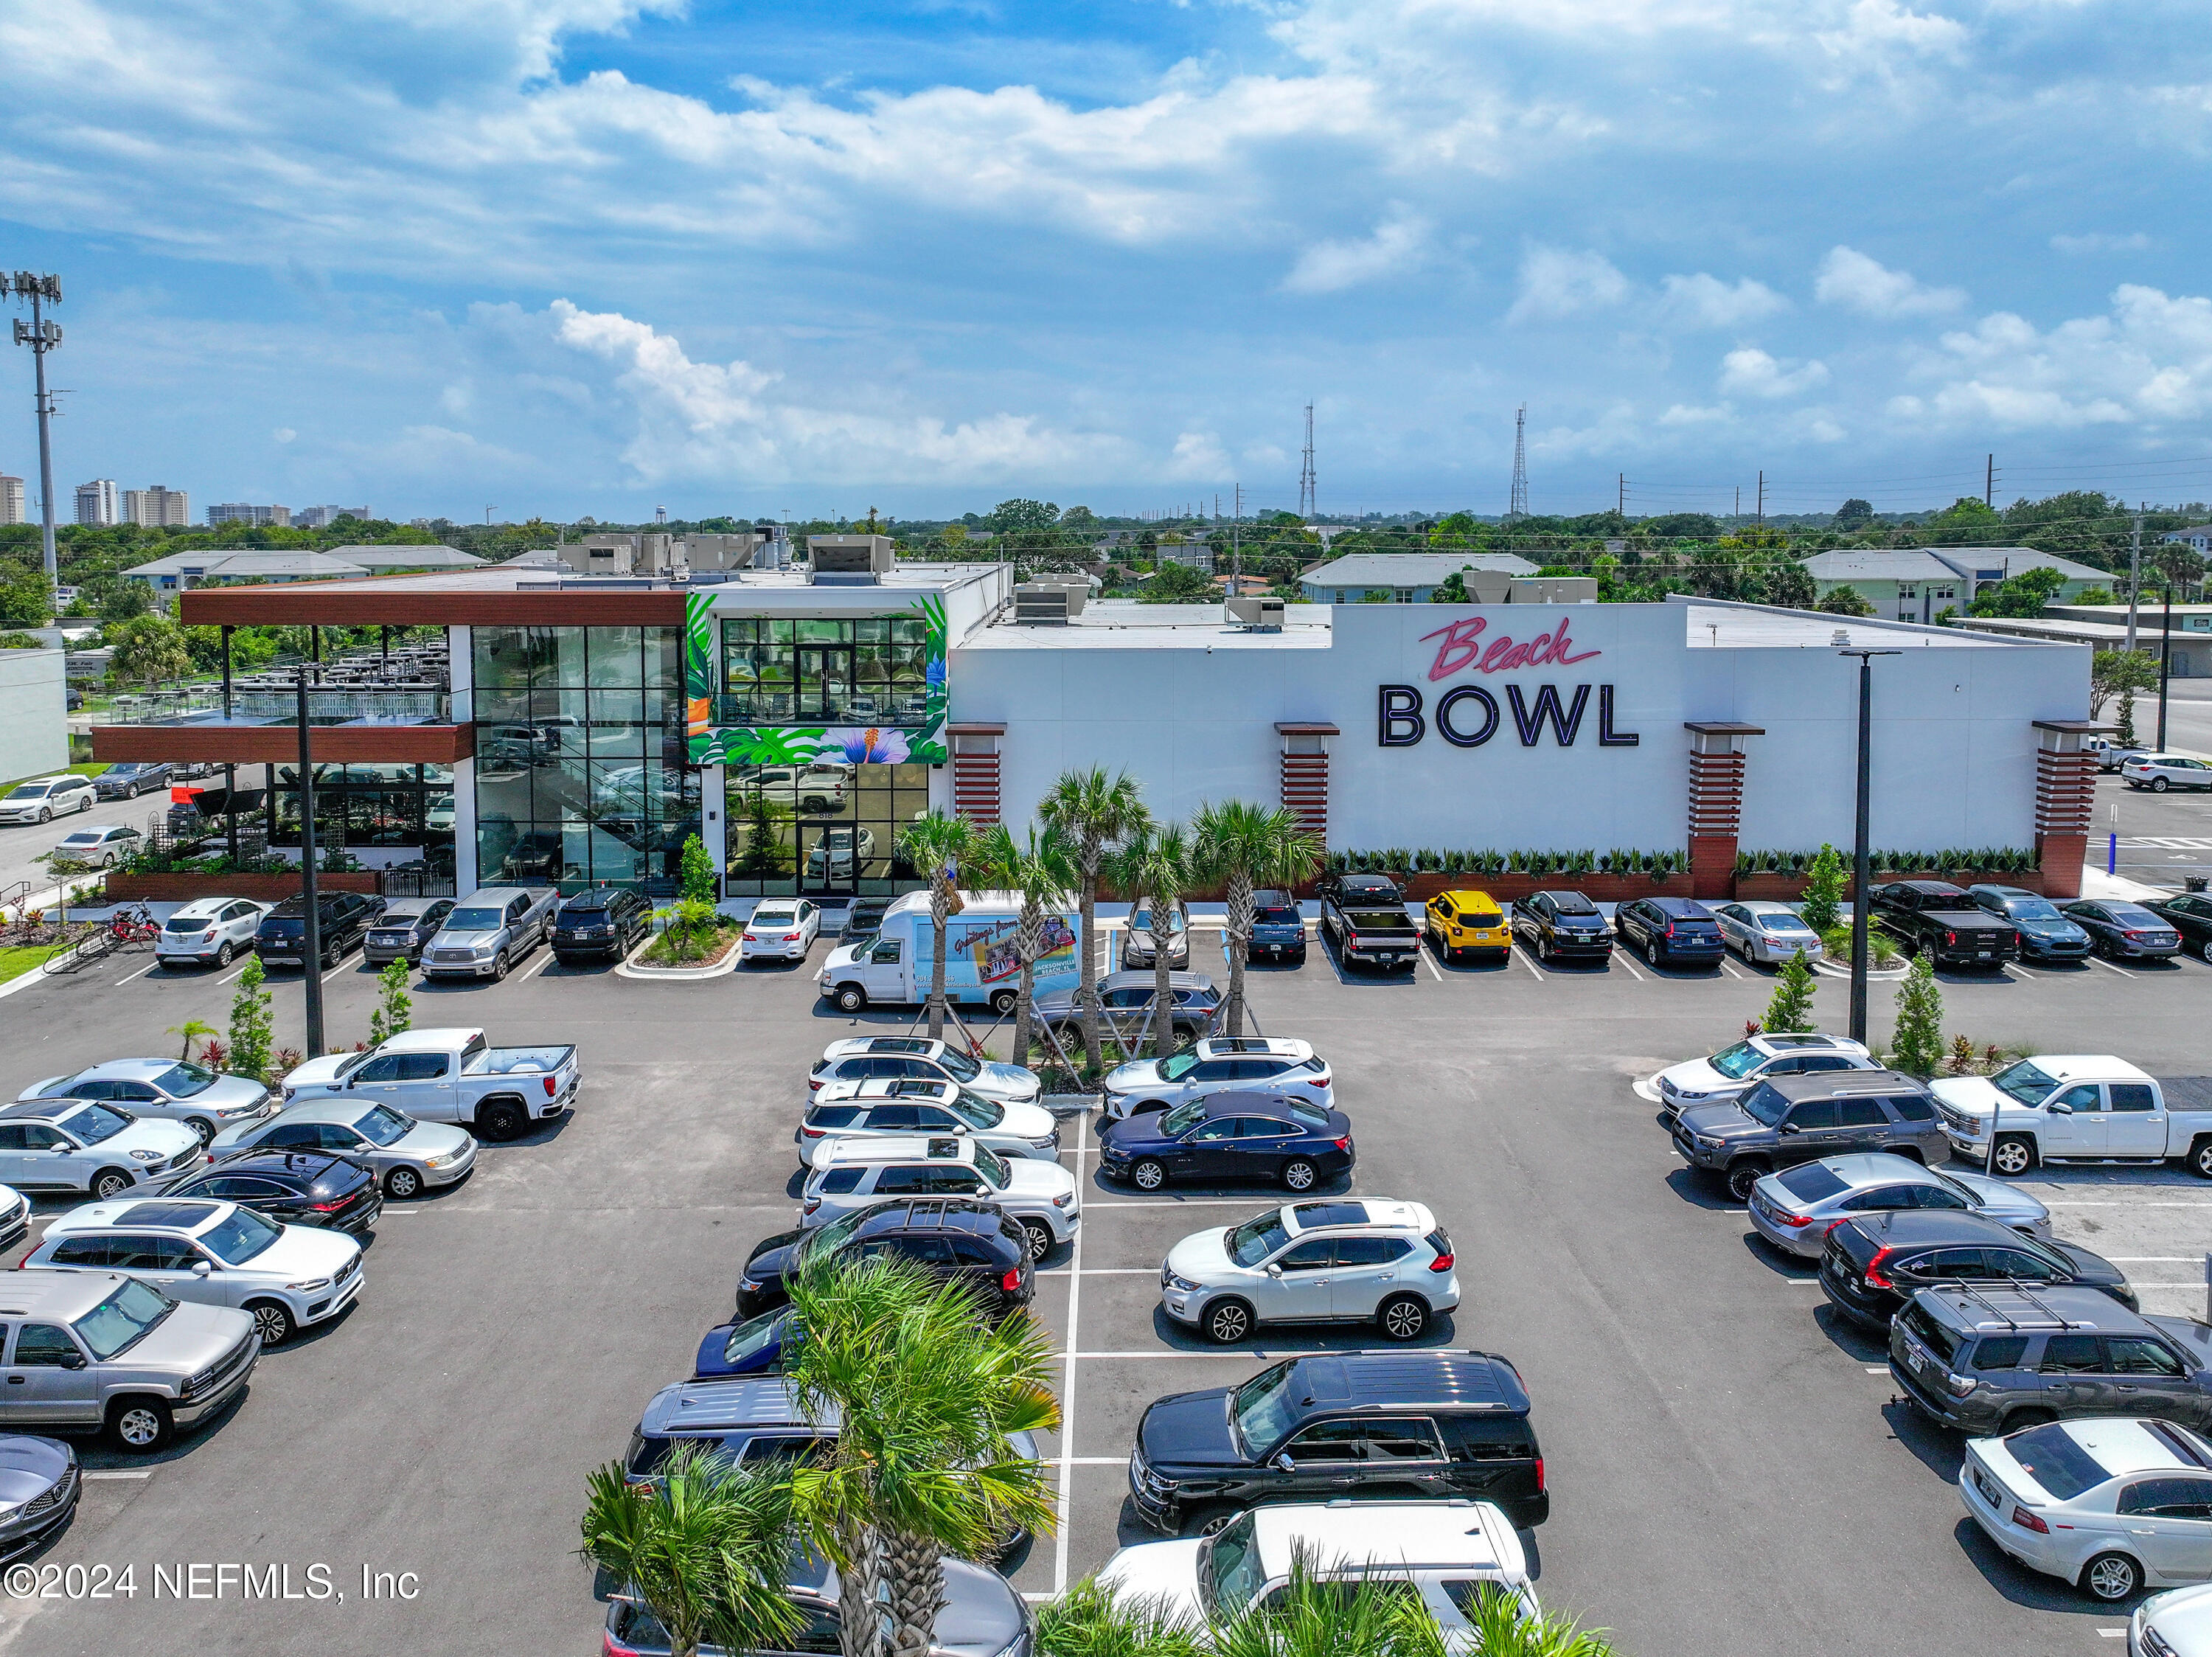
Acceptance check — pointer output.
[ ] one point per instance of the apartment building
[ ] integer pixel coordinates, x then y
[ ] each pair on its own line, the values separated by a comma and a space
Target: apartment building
96, 501
260, 517
322, 517
158, 507
11, 500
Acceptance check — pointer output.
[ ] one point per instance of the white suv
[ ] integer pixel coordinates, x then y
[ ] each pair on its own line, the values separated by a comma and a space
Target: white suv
44, 798
858, 1058
214, 1253
870, 1110
208, 930
1343, 1259
84, 1145
856, 1174
1250, 1065
1451, 1552
1735, 1071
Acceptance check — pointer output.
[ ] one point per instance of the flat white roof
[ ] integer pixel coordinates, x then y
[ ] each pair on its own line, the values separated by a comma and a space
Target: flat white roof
1730, 627
1126, 624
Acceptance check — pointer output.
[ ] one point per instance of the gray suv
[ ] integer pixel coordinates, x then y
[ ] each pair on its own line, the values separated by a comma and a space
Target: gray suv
1989, 1360
489, 931
98, 1349
1800, 1118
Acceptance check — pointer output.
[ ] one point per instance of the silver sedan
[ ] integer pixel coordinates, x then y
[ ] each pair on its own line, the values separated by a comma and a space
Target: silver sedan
406, 1155
1768, 933
1796, 1209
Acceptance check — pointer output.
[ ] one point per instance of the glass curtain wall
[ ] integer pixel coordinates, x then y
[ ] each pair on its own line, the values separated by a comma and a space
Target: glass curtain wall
581, 745
385, 807
870, 670
821, 830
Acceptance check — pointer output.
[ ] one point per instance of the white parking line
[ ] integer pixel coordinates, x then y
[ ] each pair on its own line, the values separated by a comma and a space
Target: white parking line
140, 974
1621, 956
335, 970
1186, 1202
227, 976
1530, 965
2089, 1203
1068, 1394
544, 961
1431, 965
1102, 1271
121, 1472
1877, 1369
2108, 966
1728, 967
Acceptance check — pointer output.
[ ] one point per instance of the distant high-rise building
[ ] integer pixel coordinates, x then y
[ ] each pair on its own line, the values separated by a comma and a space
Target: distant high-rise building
239, 512
157, 508
11, 499
322, 517
96, 502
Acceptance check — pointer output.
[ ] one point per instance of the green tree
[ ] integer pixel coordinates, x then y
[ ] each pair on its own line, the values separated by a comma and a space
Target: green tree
1853, 514
147, 651
24, 598
934, 846
1792, 1010
252, 1023
698, 884
1917, 1047
2022, 595
1154, 868
1452, 589
705, 1547
395, 1007
929, 1394
1844, 600
2121, 674
1180, 584
2095, 595
1019, 516
1245, 846
1040, 869
125, 600
1097, 813
1825, 880
189, 1030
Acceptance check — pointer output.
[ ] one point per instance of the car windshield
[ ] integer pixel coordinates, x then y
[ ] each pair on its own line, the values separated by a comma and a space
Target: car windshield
831, 1235
382, 1125
1782, 923
992, 1166
1176, 1066
351, 1062
2032, 909
476, 920
755, 1335
1737, 1062
95, 1122
977, 1113
1811, 1183
1189, 1112
29, 791
183, 1079
239, 1238
1763, 1104
1142, 922
1257, 1237
961, 1067
2025, 1081
1261, 1409
1229, 1575
118, 1323
2056, 1460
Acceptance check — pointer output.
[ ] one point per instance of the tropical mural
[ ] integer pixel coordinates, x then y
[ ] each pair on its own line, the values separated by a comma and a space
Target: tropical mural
917, 737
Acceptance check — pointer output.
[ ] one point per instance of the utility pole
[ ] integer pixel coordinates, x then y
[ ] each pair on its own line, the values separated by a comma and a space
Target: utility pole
1762, 497
2135, 575
1308, 488
2164, 646
1518, 504
1736, 516
1236, 545
42, 335
1620, 494
1989, 481
311, 918
1862, 873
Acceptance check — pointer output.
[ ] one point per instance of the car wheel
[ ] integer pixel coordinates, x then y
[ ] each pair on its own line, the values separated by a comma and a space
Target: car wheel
272, 1321
2157, 786
108, 861
1299, 1174
1208, 1521
1228, 1321
2014, 1156
850, 998
2111, 1577
402, 1182
2199, 1159
223, 952
46, 813
501, 1118
109, 1184
202, 1127
1148, 1175
499, 966
1040, 1236
140, 1426
1743, 1175
1002, 1002
1403, 1318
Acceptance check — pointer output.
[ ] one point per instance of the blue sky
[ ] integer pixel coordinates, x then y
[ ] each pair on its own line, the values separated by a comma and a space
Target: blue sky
590, 256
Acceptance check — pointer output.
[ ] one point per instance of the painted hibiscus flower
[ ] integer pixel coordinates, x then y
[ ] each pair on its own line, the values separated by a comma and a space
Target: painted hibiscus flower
866, 745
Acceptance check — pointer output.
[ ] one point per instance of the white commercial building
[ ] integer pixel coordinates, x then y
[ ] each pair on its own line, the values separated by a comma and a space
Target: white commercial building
11, 499
97, 503
158, 507
33, 714
239, 512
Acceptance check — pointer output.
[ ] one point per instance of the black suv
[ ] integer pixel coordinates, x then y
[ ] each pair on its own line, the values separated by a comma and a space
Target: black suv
1562, 923
343, 920
1871, 1266
1801, 1118
1391, 1425
972, 1242
131, 779
603, 922
1671, 931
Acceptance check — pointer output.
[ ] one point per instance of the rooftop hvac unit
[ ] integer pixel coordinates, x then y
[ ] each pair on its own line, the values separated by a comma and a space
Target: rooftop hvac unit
851, 555
1039, 604
1261, 612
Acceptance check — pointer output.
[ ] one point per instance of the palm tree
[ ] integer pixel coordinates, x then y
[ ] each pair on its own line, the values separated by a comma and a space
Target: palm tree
1041, 869
929, 1395
1095, 812
1244, 845
191, 1030
934, 845
1156, 865
705, 1549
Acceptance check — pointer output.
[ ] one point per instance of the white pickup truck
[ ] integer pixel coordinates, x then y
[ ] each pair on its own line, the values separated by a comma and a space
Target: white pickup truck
449, 1076
2077, 1107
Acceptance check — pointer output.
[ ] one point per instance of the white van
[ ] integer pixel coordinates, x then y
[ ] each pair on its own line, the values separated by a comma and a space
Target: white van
980, 968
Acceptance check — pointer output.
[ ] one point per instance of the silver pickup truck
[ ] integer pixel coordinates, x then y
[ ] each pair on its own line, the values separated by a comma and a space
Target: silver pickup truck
449, 1076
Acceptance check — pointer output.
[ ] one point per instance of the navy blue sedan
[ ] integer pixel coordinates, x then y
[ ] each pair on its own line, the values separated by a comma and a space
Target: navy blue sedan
757, 1346
1230, 1136
2045, 934
2124, 931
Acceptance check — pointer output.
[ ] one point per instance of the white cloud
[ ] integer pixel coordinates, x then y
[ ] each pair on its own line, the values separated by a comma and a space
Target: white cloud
2097, 241
1692, 415
1850, 278
283, 434
1327, 266
1556, 282
1200, 458
1878, 32
1707, 301
1747, 371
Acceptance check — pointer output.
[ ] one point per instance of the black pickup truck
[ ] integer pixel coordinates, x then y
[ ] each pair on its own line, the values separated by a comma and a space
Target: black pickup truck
1370, 931
1937, 917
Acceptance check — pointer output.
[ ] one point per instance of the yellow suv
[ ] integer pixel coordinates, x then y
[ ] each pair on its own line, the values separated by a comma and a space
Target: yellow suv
1457, 922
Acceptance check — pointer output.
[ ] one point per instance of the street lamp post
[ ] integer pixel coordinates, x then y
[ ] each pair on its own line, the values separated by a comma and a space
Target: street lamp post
1861, 875
311, 944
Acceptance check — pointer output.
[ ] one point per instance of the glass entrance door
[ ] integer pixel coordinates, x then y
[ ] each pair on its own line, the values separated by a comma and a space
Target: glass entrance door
831, 856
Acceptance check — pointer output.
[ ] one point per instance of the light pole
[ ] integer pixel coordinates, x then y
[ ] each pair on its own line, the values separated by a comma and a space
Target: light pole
311, 945
1861, 876
42, 335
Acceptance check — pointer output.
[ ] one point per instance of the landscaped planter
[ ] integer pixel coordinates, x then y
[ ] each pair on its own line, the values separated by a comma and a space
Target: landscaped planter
1788, 888
1507, 888
267, 888
715, 966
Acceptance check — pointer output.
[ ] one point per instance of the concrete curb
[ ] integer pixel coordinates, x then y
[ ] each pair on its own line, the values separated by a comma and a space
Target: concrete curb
1839, 970
629, 969
1647, 1089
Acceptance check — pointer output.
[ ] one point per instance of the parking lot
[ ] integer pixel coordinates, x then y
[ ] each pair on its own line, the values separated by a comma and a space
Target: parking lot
1729, 1474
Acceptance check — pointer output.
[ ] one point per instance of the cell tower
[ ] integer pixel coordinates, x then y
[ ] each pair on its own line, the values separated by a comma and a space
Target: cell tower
1307, 509
1519, 508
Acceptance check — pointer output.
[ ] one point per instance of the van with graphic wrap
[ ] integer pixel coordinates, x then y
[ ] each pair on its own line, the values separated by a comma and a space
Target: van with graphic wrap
982, 960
